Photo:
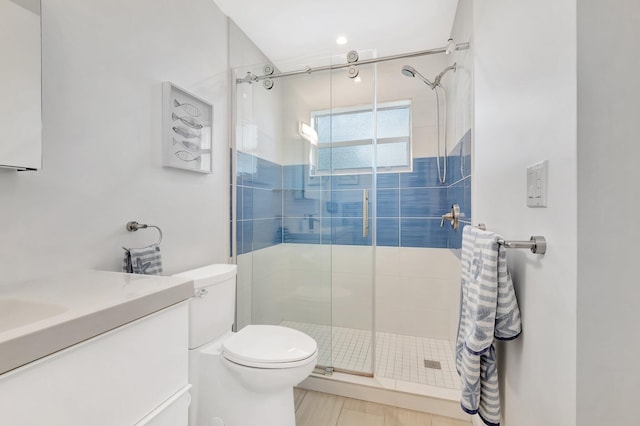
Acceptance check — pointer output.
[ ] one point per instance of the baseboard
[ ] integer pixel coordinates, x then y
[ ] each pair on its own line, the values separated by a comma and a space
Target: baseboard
477, 421
428, 399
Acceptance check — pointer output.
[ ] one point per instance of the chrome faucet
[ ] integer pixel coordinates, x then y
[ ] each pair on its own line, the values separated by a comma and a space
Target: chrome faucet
311, 220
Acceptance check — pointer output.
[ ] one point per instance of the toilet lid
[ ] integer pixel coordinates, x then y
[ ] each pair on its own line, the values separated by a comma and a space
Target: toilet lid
268, 344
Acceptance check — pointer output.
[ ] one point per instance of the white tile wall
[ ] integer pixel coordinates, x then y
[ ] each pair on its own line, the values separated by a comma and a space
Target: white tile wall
352, 300
416, 294
417, 291
243, 290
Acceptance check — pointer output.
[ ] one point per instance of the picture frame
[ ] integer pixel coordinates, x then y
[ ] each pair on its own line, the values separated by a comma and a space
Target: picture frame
187, 130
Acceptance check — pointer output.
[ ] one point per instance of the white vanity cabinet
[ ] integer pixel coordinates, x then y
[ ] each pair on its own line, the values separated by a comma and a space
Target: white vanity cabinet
136, 374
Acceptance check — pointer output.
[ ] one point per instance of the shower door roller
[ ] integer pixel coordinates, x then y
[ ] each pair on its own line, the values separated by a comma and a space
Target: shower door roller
352, 56
268, 69
267, 84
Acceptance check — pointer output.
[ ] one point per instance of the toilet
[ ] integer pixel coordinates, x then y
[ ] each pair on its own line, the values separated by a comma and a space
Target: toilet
244, 378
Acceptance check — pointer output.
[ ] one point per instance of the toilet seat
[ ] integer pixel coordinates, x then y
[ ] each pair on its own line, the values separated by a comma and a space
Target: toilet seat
270, 346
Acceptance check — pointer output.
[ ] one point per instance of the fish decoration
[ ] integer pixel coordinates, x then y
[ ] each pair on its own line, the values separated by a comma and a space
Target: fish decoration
185, 133
188, 108
187, 121
192, 146
187, 156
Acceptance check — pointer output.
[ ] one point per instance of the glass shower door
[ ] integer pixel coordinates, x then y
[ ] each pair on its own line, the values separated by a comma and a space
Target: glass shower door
346, 152
306, 233
305, 195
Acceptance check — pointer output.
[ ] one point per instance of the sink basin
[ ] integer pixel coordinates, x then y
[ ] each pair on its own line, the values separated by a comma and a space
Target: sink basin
16, 313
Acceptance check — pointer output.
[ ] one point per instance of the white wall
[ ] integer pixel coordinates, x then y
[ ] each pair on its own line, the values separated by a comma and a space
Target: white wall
103, 65
459, 87
525, 112
608, 176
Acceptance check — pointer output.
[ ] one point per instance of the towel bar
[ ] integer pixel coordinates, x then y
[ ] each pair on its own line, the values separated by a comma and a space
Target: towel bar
537, 243
134, 226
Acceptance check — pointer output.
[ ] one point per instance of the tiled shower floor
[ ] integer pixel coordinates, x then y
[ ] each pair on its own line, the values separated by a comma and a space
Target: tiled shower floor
398, 357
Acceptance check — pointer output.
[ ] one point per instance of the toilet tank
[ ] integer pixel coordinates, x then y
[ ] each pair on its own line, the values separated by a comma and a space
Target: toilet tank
212, 307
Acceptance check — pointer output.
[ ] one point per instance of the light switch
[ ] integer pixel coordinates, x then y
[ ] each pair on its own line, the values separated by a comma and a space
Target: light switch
537, 185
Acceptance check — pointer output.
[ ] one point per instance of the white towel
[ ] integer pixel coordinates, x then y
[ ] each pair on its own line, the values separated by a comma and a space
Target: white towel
488, 310
145, 260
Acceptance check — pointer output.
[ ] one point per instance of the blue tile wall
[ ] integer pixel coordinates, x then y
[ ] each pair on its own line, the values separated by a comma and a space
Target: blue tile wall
388, 180
422, 233
278, 204
261, 233
459, 190
348, 231
409, 206
388, 203
265, 175
259, 199
423, 202
423, 175
388, 231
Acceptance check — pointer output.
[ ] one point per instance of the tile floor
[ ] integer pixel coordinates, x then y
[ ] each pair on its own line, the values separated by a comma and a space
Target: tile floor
322, 409
398, 357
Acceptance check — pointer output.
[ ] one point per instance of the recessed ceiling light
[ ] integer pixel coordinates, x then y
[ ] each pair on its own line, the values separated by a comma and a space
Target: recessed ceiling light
341, 40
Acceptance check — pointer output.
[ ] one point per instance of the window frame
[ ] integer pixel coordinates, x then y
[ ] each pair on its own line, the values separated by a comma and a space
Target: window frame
400, 104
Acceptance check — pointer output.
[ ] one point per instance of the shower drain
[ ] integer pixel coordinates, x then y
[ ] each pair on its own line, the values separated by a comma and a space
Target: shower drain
429, 363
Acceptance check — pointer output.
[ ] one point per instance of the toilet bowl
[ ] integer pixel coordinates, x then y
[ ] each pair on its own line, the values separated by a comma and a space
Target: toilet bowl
267, 358
244, 378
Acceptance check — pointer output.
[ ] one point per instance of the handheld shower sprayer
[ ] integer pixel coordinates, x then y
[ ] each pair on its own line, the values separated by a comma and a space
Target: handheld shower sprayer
410, 71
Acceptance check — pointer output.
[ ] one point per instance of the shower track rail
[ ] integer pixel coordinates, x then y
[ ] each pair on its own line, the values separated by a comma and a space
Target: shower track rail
253, 78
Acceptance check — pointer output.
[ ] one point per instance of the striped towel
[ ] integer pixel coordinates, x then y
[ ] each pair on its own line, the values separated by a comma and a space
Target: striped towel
488, 310
145, 260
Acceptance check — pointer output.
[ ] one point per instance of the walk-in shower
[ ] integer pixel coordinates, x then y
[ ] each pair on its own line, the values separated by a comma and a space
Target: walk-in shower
337, 201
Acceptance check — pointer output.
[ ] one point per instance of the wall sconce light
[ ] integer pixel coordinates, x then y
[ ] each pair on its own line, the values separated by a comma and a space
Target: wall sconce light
308, 133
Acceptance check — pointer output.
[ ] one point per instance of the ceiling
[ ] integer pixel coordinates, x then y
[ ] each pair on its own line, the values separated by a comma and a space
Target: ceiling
288, 30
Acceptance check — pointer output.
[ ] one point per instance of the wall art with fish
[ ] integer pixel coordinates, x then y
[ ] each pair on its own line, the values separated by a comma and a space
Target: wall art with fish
187, 129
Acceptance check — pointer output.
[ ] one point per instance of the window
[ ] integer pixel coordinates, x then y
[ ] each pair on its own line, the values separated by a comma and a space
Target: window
345, 138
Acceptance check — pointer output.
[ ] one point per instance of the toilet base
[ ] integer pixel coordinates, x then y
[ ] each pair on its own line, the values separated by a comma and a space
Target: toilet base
260, 409
219, 394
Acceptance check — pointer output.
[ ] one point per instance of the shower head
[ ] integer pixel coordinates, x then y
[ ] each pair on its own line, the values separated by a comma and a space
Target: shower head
410, 71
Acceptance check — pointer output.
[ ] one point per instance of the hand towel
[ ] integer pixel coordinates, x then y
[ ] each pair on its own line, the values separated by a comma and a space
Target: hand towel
488, 310
145, 260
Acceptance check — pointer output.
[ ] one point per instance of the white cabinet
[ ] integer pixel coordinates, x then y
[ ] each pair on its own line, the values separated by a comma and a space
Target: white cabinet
136, 374
173, 412
20, 85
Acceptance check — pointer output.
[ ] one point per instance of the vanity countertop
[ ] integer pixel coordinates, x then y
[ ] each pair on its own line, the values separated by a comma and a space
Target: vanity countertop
43, 316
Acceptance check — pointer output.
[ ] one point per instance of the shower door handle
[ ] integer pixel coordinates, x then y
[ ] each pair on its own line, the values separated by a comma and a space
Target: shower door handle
365, 213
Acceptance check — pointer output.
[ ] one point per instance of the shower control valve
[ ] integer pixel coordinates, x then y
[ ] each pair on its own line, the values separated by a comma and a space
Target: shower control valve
453, 216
